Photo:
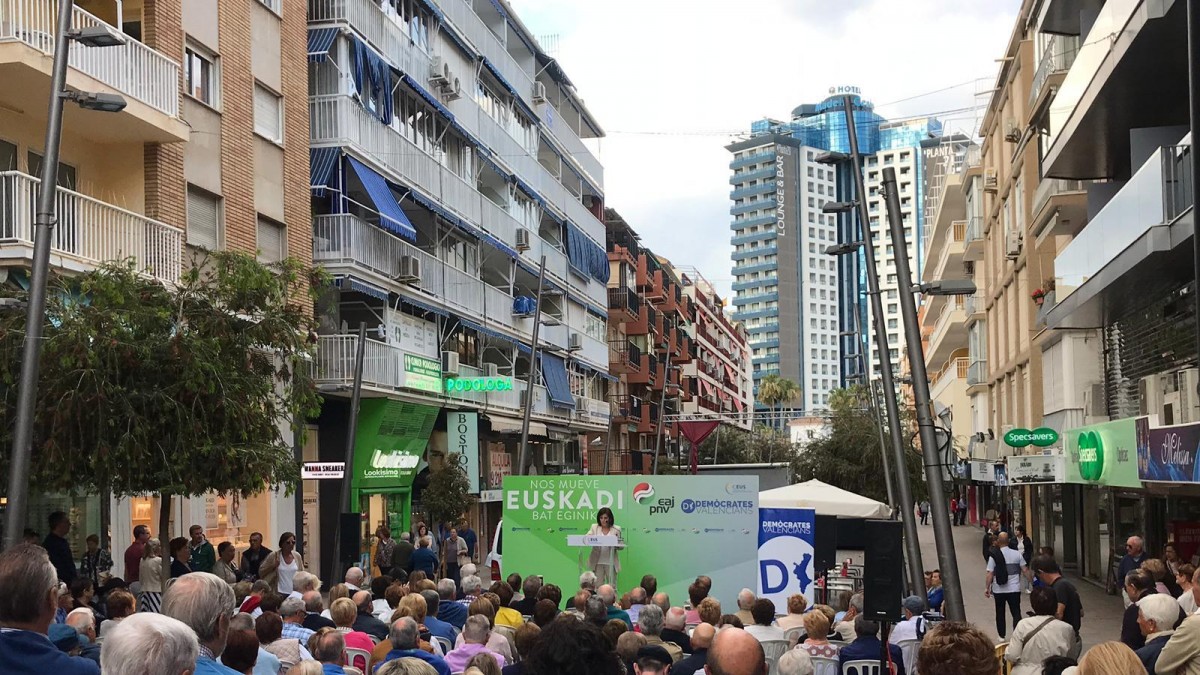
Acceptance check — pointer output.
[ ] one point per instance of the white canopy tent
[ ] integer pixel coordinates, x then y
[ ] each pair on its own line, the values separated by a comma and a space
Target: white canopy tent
825, 499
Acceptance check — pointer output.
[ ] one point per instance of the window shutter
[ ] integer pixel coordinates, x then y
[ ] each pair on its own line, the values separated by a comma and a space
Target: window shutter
271, 241
266, 113
204, 220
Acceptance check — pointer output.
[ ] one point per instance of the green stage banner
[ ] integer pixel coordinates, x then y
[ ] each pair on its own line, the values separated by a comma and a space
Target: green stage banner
674, 527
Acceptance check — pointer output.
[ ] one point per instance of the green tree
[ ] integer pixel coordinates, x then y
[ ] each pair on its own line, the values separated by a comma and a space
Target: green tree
732, 445
173, 390
774, 391
849, 457
447, 496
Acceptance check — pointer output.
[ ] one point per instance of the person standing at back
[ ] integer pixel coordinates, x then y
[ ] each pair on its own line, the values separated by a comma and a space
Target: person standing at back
59, 549
402, 555
133, 559
1003, 581
1132, 560
204, 556
1068, 608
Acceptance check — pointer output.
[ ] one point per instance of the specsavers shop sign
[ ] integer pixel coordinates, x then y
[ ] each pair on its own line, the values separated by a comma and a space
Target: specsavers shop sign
1106, 454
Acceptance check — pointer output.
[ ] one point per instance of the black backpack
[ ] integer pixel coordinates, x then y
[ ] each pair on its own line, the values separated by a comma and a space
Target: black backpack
1000, 573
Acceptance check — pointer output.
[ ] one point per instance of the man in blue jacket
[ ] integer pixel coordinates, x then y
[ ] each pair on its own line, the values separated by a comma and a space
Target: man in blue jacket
450, 611
27, 608
404, 636
867, 647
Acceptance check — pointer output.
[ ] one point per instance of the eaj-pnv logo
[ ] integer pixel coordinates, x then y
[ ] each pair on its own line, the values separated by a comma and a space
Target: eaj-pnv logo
1091, 456
642, 492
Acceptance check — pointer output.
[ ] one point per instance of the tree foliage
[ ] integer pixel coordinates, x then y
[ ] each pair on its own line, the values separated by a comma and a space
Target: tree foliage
849, 456
732, 445
170, 390
447, 496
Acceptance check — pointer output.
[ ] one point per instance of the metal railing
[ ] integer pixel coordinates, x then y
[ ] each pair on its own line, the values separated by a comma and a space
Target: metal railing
132, 68
974, 228
1177, 181
1059, 54
627, 407
624, 298
556, 123
89, 231
1050, 187
489, 45
384, 33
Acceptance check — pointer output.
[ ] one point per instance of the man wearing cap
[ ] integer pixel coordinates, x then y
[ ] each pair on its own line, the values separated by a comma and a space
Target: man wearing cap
652, 660
914, 625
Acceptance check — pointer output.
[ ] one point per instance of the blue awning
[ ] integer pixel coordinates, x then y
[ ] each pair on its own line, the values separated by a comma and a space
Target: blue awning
424, 306
511, 89
322, 162
320, 41
433, 206
528, 189
392, 217
425, 94
554, 374
352, 284
485, 157
596, 371
484, 330
586, 255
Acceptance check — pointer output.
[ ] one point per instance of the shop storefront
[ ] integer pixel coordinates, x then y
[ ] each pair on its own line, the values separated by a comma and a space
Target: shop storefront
1168, 467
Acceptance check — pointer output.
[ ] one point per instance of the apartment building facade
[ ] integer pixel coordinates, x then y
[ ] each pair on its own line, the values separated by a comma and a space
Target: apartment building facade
722, 370
210, 151
1116, 201
448, 163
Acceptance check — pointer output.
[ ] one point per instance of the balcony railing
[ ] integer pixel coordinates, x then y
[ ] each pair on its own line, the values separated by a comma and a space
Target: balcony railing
1059, 54
977, 373
570, 140
627, 408
974, 230
132, 68
489, 45
347, 239
1158, 193
89, 231
624, 298
369, 20
1050, 187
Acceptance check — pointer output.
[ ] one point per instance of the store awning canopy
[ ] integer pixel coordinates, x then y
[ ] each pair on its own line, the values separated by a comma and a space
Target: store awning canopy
554, 373
508, 425
825, 499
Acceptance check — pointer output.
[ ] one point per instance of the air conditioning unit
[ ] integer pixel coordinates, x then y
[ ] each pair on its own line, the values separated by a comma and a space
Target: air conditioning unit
439, 71
1012, 133
408, 269
990, 183
581, 406
539, 92
523, 236
453, 90
1012, 245
491, 370
574, 342
1150, 396
450, 363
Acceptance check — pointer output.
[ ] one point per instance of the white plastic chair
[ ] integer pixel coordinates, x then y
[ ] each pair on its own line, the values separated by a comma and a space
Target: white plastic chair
909, 649
352, 656
793, 635
825, 666
773, 649
861, 667
442, 642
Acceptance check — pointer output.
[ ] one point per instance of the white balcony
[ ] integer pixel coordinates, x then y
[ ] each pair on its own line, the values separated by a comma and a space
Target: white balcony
147, 79
382, 31
383, 371
489, 45
344, 241
89, 232
571, 142
950, 330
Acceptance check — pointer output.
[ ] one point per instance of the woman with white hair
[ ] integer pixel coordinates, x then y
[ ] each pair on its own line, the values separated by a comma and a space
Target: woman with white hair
795, 662
149, 644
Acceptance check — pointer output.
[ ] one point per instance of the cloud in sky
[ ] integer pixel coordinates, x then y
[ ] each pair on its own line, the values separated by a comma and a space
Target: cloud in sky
672, 82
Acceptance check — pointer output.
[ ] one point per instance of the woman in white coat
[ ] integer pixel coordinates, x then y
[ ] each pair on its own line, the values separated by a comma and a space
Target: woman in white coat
1038, 637
603, 559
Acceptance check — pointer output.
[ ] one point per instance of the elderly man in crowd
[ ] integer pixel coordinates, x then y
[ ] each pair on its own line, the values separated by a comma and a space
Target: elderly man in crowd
329, 648
366, 621
313, 606
27, 608
701, 641
845, 627
436, 626
147, 638
867, 646
529, 590
471, 587
608, 595
1157, 615
293, 613
913, 627
450, 611
637, 600
475, 637
735, 652
354, 579
587, 582
203, 602
674, 625
662, 600
762, 611
83, 620
745, 601
651, 624
304, 582
405, 638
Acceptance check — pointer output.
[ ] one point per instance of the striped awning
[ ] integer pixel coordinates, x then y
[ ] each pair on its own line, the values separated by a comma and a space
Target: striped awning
322, 163
348, 283
320, 41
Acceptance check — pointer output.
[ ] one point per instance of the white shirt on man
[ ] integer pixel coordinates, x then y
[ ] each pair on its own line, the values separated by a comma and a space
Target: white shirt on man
1015, 565
909, 629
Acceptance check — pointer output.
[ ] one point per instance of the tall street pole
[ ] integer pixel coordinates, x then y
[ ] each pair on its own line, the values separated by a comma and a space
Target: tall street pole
943, 535
912, 546
523, 468
35, 316
1193, 22
863, 346
344, 497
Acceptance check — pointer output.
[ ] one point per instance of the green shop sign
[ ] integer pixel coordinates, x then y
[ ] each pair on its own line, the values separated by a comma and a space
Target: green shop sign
1104, 454
1041, 437
422, 373
390, 442
457, 384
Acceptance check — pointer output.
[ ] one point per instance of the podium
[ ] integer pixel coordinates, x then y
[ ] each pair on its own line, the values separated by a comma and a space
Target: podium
582, 542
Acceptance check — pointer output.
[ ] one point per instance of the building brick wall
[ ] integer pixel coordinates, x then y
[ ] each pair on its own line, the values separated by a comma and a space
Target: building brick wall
162, 29
237, 127
297, 202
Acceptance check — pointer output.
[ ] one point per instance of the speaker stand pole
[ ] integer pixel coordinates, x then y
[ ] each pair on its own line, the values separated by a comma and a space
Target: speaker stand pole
884, 630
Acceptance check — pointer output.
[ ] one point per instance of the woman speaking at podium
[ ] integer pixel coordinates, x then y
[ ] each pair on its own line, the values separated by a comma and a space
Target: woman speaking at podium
603, 560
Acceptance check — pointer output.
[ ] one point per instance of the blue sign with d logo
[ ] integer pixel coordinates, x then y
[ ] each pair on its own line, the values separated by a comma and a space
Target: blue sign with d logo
785, 555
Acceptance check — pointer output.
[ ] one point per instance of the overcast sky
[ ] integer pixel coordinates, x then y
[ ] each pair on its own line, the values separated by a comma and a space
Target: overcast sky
671, 81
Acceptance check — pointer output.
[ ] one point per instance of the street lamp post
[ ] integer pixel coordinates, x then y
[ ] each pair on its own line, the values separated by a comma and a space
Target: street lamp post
523, 452
912, 546
943, 535
44, 221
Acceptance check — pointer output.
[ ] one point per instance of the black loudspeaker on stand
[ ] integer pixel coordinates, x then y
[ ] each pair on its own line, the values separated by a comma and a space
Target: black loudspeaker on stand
825, 544
350, 528
883, 573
